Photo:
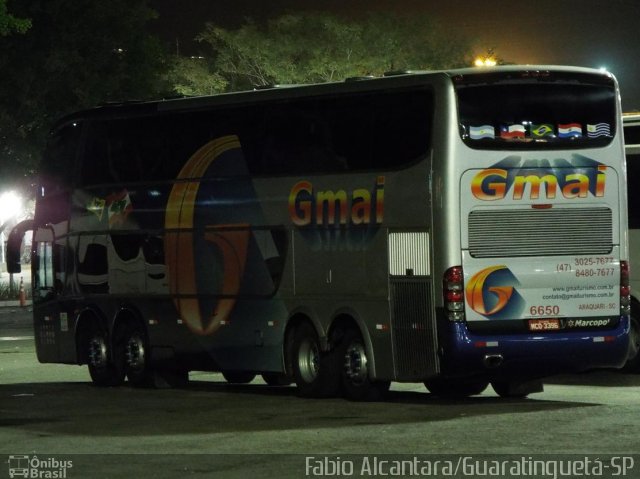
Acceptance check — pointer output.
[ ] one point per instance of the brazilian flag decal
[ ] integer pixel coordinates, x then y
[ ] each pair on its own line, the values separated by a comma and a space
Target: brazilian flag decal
541, 131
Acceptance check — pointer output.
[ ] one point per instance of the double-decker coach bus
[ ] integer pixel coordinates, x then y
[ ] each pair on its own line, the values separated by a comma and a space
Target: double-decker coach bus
631, 124
454, 228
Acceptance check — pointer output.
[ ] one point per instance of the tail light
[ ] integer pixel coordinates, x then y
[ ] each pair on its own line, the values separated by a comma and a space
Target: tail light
453, 293
625, 289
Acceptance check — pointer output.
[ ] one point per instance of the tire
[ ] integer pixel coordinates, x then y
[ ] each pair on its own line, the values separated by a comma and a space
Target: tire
456, 388
633, 359
516, 388
502, 389
356, 383
316, 373
136, 356
238, 377
106, 367
276, 379
169, 378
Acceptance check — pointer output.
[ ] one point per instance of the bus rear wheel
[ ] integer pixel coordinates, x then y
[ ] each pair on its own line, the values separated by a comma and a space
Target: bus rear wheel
516, 388
136, 354
356, 383
460, 388
316, 373
633, 360
105, 369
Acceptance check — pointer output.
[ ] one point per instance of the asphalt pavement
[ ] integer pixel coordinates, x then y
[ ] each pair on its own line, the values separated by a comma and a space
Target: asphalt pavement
213, 429
16, 321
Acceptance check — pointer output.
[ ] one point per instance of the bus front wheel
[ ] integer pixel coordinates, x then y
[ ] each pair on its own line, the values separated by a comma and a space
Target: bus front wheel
276, 379
238, 377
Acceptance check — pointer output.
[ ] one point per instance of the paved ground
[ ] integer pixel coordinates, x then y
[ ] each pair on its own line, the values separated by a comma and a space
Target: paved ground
212, 429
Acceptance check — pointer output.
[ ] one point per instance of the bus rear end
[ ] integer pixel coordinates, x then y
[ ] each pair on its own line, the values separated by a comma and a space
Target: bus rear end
543, 282
631, 123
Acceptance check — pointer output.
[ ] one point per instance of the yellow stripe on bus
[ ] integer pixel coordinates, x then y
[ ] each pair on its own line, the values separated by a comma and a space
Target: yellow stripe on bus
179, 216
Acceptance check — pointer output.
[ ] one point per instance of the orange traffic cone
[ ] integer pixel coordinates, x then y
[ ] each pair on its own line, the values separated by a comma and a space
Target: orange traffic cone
21, 294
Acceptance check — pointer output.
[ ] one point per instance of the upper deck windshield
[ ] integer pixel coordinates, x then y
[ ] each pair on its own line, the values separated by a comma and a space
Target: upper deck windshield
536, 110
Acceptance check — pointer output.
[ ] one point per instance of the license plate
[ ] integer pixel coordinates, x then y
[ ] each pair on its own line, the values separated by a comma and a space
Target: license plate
544, 324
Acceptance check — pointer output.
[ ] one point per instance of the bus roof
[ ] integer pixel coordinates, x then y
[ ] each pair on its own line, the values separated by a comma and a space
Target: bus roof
349, 85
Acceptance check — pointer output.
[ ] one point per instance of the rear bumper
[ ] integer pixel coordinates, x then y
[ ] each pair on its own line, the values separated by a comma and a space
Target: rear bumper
529, 355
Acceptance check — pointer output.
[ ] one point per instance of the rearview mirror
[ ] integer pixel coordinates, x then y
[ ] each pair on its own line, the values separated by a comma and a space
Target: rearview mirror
14, 245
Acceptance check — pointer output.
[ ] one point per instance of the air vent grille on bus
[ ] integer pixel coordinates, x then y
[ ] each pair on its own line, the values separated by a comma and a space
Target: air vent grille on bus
532, 232
414, 335
409, 253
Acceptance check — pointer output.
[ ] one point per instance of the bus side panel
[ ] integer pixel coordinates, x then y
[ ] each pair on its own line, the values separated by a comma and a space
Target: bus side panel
371, 260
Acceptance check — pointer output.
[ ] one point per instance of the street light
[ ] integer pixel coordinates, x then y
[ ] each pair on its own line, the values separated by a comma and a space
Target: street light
10, 206
485, 62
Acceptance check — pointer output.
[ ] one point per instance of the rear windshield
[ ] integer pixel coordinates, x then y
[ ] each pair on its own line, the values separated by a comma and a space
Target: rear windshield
536, 111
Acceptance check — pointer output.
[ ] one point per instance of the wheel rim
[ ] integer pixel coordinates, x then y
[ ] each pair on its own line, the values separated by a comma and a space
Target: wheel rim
135, 354
98, 352
355, 363
309, 361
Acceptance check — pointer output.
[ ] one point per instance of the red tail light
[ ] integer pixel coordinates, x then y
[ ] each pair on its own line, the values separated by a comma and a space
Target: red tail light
625, 289
453, 283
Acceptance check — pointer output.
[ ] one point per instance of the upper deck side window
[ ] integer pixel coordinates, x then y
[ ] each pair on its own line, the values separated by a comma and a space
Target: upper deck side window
330, 134
369, 131
60, 156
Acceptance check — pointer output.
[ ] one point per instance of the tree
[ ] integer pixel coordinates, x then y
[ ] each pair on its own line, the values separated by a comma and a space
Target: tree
193, 76
10, 24
77, 54
319, 47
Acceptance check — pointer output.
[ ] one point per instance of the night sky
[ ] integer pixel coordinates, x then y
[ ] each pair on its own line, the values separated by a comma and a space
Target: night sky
591, 33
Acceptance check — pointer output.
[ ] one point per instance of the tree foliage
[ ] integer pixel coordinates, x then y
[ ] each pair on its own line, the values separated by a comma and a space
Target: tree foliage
319, 47
77, 53
10, 24
74, 54
193, 76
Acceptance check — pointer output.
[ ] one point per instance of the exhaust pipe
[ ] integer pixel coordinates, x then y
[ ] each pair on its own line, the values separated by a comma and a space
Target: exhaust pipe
492, 361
